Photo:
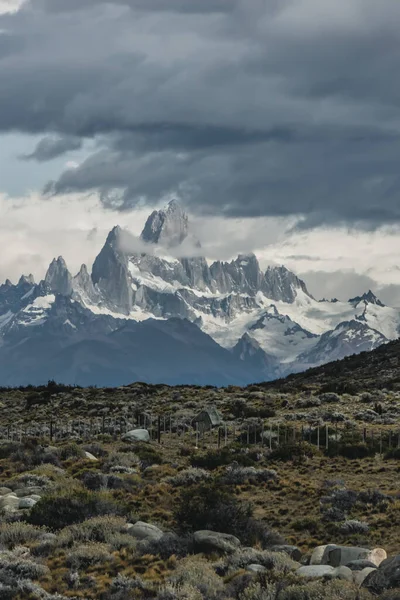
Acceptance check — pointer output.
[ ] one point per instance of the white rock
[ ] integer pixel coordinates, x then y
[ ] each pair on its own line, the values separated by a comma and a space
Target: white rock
90, 456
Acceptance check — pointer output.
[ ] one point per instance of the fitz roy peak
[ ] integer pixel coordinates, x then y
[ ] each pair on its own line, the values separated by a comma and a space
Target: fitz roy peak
165, 314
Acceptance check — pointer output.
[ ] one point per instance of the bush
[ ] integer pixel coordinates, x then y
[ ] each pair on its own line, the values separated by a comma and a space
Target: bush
300, 450
88, 555
128, 460
353, 527
277, 561
69, 451
212, 459
209, 506
69, 507
237, 475
189, 477
198, 573
102, 530
19, 534
167, 546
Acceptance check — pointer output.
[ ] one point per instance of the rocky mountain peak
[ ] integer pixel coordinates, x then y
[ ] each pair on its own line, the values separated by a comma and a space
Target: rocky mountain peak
282, 284
58, 278
114, 237
369, 298
167, 227
26, 280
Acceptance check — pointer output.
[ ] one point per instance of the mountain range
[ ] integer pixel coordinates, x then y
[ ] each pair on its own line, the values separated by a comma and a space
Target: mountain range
164, 314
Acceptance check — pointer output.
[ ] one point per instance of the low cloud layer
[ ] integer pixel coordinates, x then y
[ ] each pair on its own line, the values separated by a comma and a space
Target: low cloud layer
246, 109
33, 230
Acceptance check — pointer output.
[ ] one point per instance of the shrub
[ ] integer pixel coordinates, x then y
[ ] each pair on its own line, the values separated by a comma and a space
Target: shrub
189, 477
296, 451
69, 451
20, 568
87, 555
211, 507
19, 533
237, 475
199, 574
392, 453
167, 546
212, 459
94, 480
121, 459
125, 588
352, 527
277, 561
69, 507
98, 529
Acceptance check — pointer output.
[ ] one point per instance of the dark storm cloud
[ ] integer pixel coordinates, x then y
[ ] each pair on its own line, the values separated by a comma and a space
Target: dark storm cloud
52, 147
245, 108
183, 6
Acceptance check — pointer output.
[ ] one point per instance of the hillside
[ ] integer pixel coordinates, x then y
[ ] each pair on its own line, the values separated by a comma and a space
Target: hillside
367, 371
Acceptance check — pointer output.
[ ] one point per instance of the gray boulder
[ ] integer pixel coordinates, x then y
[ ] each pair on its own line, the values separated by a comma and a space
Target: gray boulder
9, 502
4, 491
318, 554
292, 551
360, 576
144, 531
212, 541
337, 556
26, 502
315, 571
325, 571
386, 577
256, 568
359, 565
136, 435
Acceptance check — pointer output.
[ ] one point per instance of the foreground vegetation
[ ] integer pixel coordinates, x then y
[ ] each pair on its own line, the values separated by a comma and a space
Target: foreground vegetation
234, 516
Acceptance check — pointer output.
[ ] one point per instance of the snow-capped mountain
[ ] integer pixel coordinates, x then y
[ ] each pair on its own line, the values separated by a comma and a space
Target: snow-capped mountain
265, 322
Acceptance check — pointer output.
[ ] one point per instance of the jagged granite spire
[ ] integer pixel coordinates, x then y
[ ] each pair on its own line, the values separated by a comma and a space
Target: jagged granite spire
58, 278
282, 284
168, 227
26, 280
111, 275
83, 287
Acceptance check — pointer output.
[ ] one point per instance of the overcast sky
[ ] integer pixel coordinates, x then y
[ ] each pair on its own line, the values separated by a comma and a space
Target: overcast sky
276, 121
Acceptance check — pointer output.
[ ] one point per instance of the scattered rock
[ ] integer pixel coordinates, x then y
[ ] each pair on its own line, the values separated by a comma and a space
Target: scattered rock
318, 554
212, 541
144, 531
292, 551
4, 491
89, 456
387, 576
256, 568
26, 503
9, 502
360, 576
136, 435
315, 571
337, 556
359, 565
